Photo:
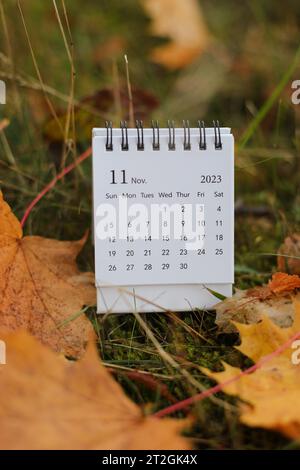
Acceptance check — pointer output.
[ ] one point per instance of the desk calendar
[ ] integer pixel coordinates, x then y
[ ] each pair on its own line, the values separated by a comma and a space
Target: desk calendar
163, 216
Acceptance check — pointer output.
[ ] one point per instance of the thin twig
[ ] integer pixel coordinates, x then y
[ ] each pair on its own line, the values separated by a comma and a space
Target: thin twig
70, 109
117, 90
50, 105
8, 152
10, 55
171, 362
29, 82
131, 109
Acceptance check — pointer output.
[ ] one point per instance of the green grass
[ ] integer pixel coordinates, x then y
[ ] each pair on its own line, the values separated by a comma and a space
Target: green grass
245, 84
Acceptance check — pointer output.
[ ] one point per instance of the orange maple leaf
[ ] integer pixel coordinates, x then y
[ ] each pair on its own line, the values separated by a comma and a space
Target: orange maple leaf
41, 288
48, 402
280, 284
283, 282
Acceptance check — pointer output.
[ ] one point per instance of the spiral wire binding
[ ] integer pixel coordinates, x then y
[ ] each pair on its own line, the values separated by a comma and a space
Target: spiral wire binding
171, 126
109, 139
202, 135
155, 131
186, 135
140, 135
156, 135
218, 141
124, 130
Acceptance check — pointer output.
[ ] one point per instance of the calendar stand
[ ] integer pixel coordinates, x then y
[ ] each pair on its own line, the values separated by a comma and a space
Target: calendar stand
163, 217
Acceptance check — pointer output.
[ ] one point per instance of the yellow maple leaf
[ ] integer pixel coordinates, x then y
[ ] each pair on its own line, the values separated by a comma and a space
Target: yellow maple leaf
41, 287
272, 391
48, 402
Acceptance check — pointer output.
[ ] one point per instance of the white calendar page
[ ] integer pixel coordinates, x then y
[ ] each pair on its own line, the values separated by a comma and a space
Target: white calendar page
188, 196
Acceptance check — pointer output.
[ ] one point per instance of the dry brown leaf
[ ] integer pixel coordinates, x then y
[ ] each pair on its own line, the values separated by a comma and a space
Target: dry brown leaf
244, 310
272, 391
283, 282
48, 402
183, 23
289, 255
274, 300
41, 287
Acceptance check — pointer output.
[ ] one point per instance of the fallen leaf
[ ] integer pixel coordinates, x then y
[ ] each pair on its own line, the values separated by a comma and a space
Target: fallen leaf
244, 310
41, 288
274, 300
183, 23
283, 282
272, 391
3, 124
289, 255
48, 402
